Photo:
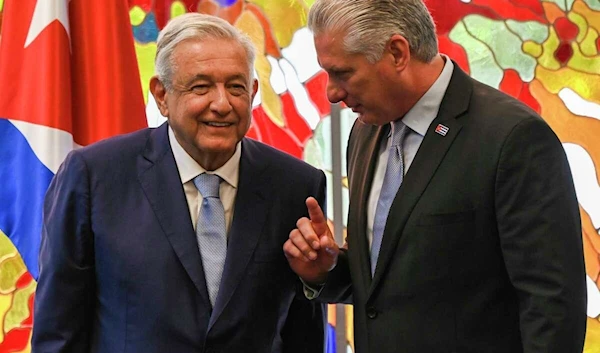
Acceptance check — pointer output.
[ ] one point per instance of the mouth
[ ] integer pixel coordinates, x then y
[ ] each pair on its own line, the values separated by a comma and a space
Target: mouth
217, 124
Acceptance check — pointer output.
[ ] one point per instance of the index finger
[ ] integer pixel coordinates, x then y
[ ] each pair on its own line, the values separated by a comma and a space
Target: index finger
317, 218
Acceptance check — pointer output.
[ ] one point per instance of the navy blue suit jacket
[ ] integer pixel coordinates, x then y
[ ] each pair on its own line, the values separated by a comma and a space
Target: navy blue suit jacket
120, 269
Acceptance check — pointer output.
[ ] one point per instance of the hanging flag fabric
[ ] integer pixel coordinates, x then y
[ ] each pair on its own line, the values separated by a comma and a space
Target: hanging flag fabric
69, 78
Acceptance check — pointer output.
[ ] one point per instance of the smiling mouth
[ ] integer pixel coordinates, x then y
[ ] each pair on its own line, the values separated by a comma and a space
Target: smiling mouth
218, 124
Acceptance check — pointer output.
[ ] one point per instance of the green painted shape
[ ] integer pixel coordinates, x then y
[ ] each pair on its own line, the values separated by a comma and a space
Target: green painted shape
482, 65
529, 30
504, 44
593, 4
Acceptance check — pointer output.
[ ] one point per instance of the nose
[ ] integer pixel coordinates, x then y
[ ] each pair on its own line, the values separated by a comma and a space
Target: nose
220, 101
335, 93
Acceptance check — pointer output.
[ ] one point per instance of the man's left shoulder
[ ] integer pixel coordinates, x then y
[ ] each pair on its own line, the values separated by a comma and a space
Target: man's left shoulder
276, 158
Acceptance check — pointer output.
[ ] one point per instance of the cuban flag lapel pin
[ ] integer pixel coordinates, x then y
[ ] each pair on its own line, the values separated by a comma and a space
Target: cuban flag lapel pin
442, 129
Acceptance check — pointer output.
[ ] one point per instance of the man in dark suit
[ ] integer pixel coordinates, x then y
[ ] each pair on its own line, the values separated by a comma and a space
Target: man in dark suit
479, 249
122, 268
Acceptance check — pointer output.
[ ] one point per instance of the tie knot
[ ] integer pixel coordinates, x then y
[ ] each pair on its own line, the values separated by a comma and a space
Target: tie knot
208, 184
398, 131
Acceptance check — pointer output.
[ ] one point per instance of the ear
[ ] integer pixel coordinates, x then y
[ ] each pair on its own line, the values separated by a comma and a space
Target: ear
159, 92
254, 88
400, 51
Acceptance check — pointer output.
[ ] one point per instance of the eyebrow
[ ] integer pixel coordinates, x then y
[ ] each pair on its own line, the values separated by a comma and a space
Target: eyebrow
200, 77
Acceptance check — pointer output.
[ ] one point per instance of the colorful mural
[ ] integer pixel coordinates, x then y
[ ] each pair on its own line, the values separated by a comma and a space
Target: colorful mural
544, 52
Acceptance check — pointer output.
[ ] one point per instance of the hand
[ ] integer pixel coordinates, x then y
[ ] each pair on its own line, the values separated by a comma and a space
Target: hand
311, 250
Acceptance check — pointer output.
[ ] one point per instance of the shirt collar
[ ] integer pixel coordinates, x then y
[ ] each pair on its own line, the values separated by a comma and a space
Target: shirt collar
189, 168
420, 116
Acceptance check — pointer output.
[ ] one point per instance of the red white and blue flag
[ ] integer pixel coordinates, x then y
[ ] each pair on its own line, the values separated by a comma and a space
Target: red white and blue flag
68, 78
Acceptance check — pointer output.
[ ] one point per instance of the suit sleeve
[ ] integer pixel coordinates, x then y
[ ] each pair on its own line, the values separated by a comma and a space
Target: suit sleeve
306, 324
338, 287
540, 233
64, 301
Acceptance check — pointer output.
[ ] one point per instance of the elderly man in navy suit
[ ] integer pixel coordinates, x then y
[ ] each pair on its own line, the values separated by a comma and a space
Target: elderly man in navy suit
169, 239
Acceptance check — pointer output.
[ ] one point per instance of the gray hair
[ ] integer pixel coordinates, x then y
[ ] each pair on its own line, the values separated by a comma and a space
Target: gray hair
369, 24
195, 26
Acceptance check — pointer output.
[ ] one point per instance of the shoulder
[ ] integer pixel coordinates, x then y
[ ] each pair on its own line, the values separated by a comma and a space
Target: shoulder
117, 154
493, 104
118, 145
278, 161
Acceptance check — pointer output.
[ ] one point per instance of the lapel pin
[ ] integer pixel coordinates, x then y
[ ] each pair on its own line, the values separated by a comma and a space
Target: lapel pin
442, 129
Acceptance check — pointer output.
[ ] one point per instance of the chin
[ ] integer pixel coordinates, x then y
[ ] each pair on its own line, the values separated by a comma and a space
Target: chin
368, 119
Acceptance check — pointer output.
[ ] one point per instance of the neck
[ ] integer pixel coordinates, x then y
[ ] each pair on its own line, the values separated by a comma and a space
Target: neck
419, 79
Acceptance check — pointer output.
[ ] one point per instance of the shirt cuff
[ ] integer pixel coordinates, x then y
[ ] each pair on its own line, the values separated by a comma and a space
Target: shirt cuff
313, 291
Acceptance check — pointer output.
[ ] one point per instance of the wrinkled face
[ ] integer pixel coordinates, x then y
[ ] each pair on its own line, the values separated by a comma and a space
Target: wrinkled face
209, 106
364, 87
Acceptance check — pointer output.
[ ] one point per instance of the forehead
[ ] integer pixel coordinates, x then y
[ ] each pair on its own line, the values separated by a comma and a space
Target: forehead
211, 57
331, 54
329, 47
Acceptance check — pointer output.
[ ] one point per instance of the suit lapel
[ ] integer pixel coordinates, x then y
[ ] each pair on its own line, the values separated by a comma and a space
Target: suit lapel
250, 213
362, 178
161, 183
429, 156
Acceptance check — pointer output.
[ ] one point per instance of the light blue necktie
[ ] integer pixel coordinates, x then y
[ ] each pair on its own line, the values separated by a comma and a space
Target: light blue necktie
394, 173
210, 232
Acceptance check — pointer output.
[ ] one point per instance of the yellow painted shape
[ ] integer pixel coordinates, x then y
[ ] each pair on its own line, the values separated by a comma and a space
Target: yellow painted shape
581, 23
532, 48
270, 101
569, 128
552, 11
136, 16
286, 17
1, 7
177, 9
588, 44
547, 58
584, 84
331, 314
592, 17
592, 336
349, 327
580, 62
145, 54
11, 268
19, 311
11, 265
5, 301
308, 3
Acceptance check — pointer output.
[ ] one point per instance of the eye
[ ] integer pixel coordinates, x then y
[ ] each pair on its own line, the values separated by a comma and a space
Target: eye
237, 89
342, 75
200, 88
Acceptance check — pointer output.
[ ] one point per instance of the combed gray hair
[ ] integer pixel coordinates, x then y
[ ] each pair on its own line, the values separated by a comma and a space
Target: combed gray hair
195, 26
369, 24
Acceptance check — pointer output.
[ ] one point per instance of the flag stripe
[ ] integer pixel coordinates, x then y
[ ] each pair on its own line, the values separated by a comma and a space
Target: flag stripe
24, 182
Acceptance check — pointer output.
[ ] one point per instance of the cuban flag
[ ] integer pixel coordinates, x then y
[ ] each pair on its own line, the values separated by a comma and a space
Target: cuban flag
68, 78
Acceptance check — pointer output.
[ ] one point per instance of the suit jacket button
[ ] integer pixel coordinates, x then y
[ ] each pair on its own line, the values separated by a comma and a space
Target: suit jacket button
371, 312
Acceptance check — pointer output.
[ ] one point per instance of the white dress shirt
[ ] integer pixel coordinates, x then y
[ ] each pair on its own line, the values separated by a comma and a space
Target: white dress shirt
189, 169
417, 120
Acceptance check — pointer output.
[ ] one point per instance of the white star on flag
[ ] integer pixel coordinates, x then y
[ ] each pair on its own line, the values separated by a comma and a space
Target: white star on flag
46, 12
